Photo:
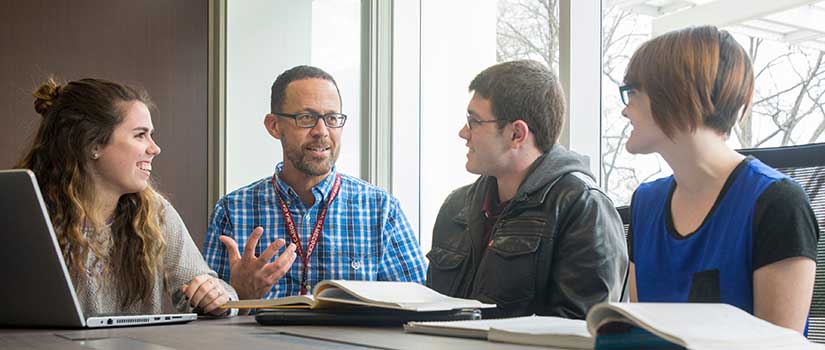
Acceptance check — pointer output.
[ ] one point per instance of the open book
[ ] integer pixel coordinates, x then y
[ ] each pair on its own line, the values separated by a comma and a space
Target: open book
689, 325
632, 326
390, 295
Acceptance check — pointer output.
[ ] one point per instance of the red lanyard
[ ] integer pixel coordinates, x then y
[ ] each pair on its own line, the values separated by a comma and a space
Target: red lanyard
316, 231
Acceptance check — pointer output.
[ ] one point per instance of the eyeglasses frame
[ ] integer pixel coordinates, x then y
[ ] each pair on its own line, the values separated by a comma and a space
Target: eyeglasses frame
317, 116
471, 120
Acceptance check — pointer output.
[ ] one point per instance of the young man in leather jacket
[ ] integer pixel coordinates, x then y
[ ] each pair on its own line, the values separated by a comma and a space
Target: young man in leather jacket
534, 234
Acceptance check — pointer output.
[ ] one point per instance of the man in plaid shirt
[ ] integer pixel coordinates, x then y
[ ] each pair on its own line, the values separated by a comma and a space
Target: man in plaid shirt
334, 226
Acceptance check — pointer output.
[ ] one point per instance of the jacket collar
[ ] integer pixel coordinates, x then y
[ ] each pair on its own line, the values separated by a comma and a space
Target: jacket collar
545, 171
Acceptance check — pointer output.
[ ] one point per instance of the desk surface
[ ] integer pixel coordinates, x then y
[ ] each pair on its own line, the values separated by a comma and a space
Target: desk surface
236, 333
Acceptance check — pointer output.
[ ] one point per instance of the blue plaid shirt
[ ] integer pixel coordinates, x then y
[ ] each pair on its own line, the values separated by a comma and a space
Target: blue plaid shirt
366, 235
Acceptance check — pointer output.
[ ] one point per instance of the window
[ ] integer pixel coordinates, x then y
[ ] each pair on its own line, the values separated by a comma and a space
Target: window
789, 98
454, 41
622, 33
451, 55
266, 37
435, 60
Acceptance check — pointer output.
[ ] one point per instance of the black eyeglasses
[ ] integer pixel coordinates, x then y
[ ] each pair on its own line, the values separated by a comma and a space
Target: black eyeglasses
475, 121
627, 91
308, 120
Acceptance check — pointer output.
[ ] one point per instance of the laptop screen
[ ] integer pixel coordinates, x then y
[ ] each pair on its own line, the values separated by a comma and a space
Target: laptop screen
40, 291
43, 294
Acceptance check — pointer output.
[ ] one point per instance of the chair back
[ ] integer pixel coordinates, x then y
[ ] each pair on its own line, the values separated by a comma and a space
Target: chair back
806, 165
624, 212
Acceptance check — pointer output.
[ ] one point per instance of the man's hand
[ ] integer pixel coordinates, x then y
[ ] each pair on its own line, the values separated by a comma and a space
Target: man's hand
253, 276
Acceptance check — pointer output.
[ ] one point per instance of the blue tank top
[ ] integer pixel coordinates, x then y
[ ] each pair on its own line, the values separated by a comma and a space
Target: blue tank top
714, 260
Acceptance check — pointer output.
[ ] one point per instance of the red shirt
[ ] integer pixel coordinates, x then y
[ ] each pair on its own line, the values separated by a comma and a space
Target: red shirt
491, 209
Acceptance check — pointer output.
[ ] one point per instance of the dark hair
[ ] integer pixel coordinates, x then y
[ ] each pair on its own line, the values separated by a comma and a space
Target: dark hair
524, 90
294, 74
694, 76
76, 117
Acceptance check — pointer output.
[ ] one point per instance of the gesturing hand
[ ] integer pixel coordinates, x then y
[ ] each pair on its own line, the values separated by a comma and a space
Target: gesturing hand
254, 276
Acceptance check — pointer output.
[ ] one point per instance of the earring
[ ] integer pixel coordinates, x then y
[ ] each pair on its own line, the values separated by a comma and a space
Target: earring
95, 155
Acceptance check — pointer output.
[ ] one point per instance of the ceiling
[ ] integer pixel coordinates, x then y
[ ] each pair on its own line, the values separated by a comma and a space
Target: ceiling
799, 22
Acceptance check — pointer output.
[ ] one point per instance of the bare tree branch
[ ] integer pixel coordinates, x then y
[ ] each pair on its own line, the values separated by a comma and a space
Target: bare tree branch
819, 129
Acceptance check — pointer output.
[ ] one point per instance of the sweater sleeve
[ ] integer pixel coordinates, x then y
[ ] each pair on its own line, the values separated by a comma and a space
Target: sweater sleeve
182, 260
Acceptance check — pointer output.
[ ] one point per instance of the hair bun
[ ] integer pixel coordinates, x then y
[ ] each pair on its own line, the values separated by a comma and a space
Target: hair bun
45, 96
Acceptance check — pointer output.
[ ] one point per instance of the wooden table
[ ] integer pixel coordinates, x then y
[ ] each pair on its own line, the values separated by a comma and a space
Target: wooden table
241, 333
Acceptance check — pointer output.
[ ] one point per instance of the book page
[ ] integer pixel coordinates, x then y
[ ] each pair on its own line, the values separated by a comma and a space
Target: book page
469, 329
546, 331
543, 325
530, 330
698, 325
291, 302
395, 295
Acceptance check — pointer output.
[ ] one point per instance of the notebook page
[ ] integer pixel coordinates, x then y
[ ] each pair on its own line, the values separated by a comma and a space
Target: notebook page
709, 326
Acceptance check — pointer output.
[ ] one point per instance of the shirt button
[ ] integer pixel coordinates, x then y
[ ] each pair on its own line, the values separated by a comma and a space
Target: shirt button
355, 264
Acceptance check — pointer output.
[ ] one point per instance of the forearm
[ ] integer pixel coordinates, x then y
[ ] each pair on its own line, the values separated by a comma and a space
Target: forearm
782, 292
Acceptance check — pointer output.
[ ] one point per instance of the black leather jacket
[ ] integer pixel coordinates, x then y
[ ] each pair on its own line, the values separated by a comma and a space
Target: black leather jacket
557, 249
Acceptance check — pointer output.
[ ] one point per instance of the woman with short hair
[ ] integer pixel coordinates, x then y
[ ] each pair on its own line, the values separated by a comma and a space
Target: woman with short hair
724, 227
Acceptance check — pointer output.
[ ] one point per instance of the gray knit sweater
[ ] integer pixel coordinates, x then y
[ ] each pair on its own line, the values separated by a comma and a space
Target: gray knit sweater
182, 261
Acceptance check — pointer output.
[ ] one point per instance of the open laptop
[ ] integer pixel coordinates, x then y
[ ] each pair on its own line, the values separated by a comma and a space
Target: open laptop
37, 289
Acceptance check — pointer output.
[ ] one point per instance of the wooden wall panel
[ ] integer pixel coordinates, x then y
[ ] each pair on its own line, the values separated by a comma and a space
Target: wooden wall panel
158, 45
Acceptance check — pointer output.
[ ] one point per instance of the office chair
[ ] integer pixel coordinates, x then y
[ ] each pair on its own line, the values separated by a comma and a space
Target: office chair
806, 165
624, 213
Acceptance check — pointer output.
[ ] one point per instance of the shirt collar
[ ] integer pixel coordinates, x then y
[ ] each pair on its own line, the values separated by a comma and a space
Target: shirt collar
320, 191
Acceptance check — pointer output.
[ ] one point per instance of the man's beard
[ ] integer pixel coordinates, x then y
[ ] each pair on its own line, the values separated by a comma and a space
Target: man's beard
310, 165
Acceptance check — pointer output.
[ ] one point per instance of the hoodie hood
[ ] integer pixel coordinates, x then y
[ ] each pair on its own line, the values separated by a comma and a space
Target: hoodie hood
545, 170
551, 166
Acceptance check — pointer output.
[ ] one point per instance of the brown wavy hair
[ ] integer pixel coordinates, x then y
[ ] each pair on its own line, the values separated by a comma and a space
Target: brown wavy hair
76, 117
693, 76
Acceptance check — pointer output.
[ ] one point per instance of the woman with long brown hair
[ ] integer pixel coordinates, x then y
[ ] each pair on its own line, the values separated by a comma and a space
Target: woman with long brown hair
725, 227
125, 245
